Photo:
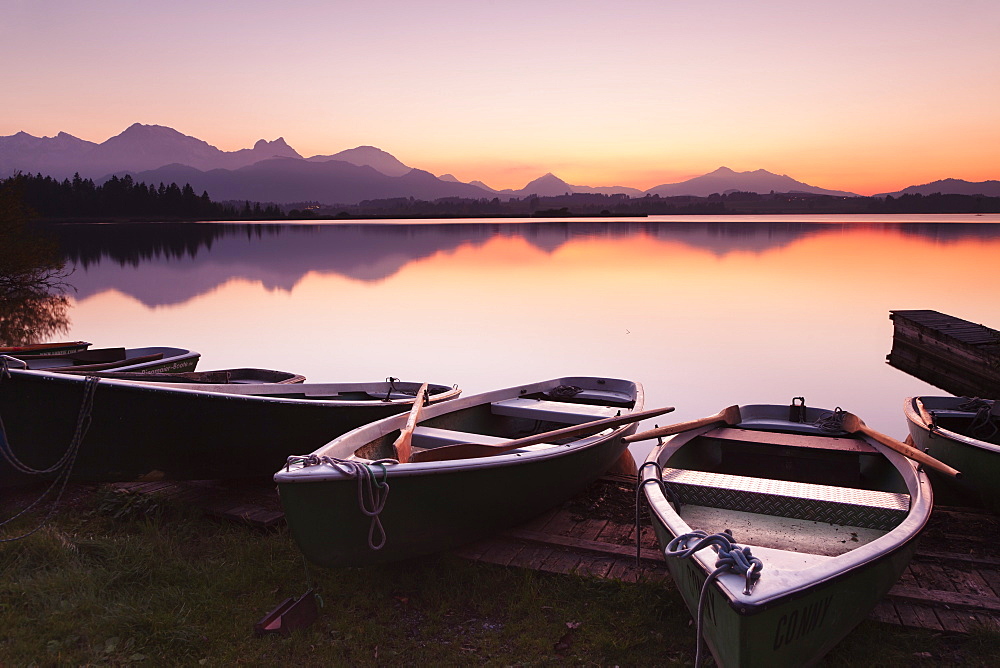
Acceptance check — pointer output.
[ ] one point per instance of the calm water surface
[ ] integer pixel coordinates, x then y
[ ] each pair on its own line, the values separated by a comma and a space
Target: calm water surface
705, 312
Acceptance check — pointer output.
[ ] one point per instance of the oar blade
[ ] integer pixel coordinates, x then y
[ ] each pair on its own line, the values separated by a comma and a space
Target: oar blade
729, 415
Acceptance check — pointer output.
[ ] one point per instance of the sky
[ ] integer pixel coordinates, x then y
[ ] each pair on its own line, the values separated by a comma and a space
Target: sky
862, 96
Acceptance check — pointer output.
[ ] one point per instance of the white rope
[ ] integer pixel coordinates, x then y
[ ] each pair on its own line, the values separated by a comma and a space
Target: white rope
372, 494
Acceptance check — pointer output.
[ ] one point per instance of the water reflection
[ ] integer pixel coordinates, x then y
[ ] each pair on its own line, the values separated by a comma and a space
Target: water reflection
33, 303
280, 255
705, 313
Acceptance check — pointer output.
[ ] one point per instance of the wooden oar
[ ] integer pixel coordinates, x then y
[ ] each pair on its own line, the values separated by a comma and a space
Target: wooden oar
473, 450
729, 415
402, 444
852, 424
924, 414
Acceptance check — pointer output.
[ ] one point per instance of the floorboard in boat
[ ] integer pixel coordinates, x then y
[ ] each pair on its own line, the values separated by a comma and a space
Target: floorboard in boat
952, 584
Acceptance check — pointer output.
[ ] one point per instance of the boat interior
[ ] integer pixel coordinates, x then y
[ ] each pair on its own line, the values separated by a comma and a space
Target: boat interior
499, 421
818, 495
982, 426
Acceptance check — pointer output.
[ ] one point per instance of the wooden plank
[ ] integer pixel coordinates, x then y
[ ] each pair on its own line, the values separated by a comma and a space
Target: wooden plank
502, 551
973, 583
624, 570
917, 616
956, 621
538, 523
495, 551
561, 524
958, 557
595, 566
588, 529
936, 596
653, 555
617, 534
531, 556
561, 561
991, 578
844, 444
885, 612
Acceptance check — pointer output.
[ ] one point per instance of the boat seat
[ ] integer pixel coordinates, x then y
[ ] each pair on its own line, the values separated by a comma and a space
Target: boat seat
553, 411
425, 438
807, 501
838, 443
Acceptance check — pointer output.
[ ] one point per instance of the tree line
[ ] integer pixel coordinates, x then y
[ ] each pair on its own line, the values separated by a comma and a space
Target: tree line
123, 198
589, 204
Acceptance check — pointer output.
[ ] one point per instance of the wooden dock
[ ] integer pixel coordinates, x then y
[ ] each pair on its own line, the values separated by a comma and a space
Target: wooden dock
953, 583
958, 356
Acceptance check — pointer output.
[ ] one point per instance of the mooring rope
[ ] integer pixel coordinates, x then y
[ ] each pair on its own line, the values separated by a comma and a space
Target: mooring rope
732, 558
63, 467
372, 493
831, 422
982, 425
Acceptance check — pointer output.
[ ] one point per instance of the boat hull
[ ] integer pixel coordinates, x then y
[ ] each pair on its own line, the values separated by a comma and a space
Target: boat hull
153, 359
833, 518
977, 460
436, 506
797, 630
153, 431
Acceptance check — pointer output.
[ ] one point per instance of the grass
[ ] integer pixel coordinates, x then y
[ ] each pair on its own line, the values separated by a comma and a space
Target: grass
116, 580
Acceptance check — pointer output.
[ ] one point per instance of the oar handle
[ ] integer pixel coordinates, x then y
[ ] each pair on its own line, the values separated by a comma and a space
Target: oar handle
730, 415
472, 450
911, 452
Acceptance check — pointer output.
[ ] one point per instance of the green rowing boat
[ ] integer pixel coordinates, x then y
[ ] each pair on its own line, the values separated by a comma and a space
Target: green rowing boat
477, 464
809, 526
963, 433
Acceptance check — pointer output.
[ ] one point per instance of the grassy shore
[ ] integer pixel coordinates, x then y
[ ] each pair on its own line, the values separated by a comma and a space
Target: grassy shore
115, 579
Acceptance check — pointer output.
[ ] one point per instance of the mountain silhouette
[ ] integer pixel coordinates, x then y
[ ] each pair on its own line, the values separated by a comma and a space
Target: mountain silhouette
295, 180
272, 171
376, 158
724, 180
139, 147
951, 187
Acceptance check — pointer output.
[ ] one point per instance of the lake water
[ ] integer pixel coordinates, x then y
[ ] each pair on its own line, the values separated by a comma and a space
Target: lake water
705, 312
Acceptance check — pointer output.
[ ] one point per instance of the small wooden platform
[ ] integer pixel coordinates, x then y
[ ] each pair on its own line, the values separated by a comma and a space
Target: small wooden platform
952, 584
958, 356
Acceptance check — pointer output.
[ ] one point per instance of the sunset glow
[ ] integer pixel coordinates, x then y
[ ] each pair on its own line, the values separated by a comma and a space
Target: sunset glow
850, 96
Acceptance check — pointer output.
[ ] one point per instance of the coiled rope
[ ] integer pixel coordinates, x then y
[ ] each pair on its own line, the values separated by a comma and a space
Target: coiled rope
732, 558
372, 493
982, 425
831, 422
63, 467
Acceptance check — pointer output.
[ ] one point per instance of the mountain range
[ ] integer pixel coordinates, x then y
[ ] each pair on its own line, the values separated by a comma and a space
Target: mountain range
272, 171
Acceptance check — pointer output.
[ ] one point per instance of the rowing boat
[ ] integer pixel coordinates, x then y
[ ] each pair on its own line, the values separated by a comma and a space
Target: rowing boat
182, 431
45, 349
964, 433
478, 464
246, 376
822, 523
159, 359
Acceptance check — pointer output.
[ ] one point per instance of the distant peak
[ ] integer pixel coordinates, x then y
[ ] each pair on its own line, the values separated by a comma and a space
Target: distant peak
263, 143
140, 129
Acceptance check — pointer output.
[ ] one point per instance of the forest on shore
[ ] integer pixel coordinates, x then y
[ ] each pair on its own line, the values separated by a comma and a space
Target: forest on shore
122, 199
80, 199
